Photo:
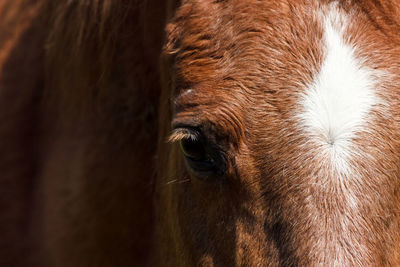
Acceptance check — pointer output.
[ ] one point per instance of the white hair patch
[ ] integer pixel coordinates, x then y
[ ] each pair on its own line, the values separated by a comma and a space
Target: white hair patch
336, 105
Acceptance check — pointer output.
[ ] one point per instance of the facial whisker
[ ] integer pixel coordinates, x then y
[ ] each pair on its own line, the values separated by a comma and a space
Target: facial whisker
177, 181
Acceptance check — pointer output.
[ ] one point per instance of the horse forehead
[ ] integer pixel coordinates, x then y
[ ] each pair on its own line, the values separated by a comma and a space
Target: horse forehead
268, 49
340, 102
305, 67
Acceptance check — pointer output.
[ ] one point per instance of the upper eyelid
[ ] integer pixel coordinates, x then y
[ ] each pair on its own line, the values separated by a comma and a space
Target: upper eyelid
186, 120
190, 126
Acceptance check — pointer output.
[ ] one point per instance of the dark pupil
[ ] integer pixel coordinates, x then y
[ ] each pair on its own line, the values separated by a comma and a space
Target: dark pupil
193, 149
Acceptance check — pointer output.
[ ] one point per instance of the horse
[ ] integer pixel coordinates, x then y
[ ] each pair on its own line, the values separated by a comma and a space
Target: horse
200, 133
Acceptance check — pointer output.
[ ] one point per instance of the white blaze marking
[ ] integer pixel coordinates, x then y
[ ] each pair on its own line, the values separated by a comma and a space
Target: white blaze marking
337, 103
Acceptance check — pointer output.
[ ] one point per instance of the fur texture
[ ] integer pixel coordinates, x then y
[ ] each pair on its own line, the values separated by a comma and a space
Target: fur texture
300, 97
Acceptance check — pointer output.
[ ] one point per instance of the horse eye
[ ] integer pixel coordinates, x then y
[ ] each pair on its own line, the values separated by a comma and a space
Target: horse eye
197, 157
193, 149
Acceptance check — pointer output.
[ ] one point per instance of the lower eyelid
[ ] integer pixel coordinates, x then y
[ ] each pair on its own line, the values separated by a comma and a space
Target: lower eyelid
194, 161
200, 164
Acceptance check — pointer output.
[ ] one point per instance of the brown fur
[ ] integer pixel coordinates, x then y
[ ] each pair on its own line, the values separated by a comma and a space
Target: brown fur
86, 114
